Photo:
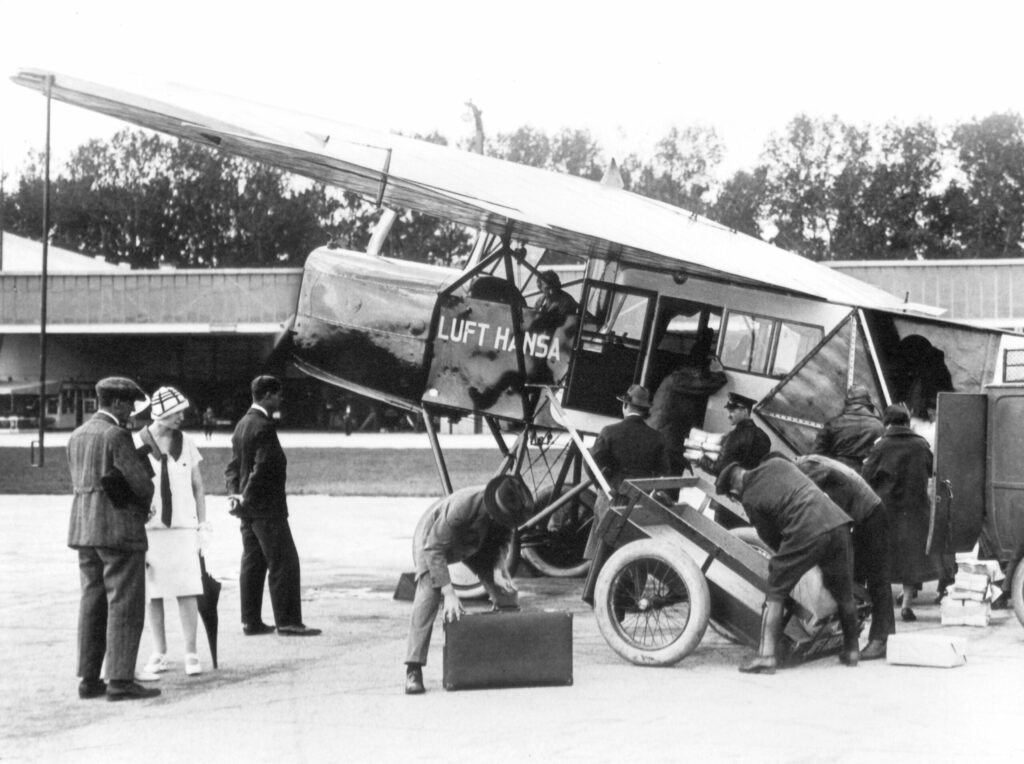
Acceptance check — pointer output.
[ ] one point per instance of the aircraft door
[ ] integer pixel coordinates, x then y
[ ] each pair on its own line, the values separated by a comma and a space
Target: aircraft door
960, 443
1004, 525
609, 350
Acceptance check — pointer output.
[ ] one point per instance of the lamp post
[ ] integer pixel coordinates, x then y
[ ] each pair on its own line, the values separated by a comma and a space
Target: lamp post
43, 288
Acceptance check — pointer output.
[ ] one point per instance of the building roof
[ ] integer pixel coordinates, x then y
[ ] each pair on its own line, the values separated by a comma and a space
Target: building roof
21, 255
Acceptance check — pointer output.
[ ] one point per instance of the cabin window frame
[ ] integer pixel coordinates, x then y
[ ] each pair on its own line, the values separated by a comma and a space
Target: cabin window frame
775, 324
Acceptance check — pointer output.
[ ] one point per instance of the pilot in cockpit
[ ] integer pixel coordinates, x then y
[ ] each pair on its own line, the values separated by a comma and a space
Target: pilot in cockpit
555, 306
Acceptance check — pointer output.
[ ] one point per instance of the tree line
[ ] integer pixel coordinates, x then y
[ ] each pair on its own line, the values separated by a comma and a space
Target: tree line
823, 188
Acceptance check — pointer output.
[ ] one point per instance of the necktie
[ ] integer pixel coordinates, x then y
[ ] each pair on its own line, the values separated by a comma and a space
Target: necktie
165, 492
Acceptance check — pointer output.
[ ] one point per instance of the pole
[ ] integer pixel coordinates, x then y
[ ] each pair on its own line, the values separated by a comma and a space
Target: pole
43, 286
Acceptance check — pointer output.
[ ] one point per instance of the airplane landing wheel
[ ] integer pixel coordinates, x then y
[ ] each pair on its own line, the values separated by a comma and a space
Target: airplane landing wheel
1017, 592
652, 603
559, 553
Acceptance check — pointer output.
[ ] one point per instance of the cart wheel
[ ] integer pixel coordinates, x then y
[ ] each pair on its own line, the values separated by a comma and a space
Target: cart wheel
559, 554
1017, 592
652, 603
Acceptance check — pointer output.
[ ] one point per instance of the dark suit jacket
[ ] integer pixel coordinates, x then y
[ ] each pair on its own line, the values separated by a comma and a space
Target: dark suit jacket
630, 449
258, 467
93, 449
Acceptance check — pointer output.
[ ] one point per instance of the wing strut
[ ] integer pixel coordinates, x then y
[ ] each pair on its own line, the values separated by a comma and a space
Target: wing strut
435, 447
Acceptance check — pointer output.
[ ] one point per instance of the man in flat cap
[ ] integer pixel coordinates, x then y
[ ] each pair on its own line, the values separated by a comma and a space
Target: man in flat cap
746, 444
850, 436
474, 526
109, 511
805, 528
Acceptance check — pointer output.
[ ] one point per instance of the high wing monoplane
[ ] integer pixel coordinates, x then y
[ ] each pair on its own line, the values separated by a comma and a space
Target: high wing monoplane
647, 278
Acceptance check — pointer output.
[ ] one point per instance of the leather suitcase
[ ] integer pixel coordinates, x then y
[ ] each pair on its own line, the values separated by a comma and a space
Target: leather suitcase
508, 649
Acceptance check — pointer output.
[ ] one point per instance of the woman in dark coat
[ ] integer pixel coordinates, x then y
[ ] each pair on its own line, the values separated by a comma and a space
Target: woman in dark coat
898, 468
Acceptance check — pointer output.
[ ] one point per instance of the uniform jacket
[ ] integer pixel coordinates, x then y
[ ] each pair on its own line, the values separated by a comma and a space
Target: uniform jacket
93, 449
746, 443
458, 528
258, 468
785, 507
842, 484
630, 449
850, 436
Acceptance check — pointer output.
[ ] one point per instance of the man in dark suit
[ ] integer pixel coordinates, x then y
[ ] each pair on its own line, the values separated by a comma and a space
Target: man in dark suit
746, 444
108, 529
625, 450
631, 449
256, 478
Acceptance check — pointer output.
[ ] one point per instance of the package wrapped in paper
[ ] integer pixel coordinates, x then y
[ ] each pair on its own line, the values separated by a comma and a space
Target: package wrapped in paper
923, 649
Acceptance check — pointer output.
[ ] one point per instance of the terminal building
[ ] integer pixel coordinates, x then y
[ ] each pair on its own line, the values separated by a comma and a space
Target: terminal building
209, 332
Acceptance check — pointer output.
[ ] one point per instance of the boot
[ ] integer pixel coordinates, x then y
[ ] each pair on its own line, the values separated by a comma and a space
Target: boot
850, 655
874, 650
771, 635
414, 679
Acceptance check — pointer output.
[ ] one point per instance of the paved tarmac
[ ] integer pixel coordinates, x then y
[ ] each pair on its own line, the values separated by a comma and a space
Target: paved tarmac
338, 697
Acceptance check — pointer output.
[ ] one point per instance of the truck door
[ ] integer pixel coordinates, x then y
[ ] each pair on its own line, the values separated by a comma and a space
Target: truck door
1004, 524
960, 444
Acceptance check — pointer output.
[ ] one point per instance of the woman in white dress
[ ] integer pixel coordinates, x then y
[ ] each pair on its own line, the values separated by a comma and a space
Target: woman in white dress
179, 508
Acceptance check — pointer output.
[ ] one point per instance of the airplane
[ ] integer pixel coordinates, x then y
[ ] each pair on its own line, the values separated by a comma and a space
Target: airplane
646, 278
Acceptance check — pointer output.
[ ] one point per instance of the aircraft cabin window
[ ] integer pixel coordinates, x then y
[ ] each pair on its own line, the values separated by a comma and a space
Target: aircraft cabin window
1013, 366
794, 342
768, 346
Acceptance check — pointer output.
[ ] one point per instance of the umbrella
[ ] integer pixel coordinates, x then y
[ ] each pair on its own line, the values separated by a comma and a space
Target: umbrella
207, 602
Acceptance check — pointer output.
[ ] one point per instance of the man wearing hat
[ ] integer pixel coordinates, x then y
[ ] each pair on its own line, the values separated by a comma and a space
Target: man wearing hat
473, 526
746, 444
850, 436
805, 528
108, 528
255, 479
631, 449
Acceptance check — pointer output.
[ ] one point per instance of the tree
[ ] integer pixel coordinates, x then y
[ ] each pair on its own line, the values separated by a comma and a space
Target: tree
991, 156
682, 171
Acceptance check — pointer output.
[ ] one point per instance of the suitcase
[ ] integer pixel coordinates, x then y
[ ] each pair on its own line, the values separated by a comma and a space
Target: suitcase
508, 649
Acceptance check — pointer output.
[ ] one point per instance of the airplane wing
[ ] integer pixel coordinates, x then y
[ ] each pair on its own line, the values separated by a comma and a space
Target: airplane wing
537, 206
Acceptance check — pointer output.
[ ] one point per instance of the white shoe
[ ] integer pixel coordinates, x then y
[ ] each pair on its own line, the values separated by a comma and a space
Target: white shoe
157, 664
192, 664
145, 676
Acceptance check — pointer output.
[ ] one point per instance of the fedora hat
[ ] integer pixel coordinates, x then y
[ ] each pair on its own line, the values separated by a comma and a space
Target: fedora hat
508, 501
636, 395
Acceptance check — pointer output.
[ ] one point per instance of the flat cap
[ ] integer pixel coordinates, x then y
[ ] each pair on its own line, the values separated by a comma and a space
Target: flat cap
121, 388
724, 481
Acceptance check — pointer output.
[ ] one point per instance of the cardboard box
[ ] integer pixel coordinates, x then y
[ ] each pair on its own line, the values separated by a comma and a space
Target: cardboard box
988, 568
973, 582
965, 613
926, 649
964, 594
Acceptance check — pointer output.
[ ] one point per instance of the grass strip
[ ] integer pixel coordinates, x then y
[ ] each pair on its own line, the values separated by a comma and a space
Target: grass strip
330, 472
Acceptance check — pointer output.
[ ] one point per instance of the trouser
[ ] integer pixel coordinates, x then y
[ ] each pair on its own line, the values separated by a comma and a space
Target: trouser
425, 605
268, 553
832, 553
112, 611
871, 565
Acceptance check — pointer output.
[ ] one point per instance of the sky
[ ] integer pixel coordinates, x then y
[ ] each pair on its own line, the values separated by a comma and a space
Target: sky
625, 71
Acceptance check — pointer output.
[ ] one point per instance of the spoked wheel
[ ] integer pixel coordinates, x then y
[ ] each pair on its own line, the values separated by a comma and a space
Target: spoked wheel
652, 603
1017, 592
556, 548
